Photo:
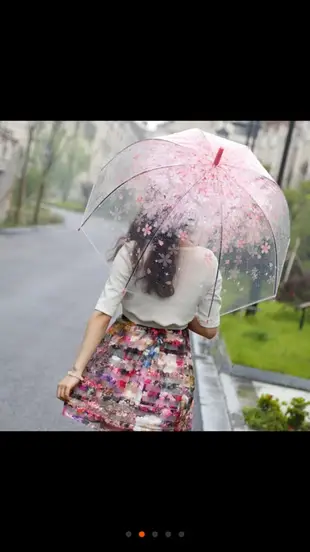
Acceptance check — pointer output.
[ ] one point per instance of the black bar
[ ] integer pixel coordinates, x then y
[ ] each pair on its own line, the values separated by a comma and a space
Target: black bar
285, 152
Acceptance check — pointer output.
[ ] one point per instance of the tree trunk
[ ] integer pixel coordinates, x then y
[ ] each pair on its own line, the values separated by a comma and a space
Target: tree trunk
22, 181
49, 162
67, 187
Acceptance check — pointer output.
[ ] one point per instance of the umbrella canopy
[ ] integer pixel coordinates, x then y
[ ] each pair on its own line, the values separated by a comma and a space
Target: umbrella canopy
193, 189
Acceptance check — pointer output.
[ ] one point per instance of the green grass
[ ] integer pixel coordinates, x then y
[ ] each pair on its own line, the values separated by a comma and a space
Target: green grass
45, 217
69, 205
271, 340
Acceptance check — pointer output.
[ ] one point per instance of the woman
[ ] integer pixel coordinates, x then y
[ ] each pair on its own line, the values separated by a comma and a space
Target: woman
138, 374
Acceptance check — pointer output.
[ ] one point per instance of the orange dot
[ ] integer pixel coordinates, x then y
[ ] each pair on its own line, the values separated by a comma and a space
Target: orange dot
141, 534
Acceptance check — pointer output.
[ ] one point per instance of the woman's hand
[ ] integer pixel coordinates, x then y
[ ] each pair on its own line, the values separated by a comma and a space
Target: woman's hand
195, 327
65, 387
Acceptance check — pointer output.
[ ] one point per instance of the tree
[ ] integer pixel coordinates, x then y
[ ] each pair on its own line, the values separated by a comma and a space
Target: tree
71, 159
21, 189
304, 169
49, 158
67, 167
299, 206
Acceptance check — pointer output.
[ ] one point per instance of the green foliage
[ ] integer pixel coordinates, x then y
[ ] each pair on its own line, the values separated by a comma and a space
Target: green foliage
294, 200
296, 413
257, 335
299, 206
267, 167
46, 217
285, 351
69, 205
70, 160
73, 162
268, 415
32, 181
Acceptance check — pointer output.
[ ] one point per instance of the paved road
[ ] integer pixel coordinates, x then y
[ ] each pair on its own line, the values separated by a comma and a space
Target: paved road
50, 279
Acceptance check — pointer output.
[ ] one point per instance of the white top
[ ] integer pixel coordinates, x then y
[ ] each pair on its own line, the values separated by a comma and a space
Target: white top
193, 284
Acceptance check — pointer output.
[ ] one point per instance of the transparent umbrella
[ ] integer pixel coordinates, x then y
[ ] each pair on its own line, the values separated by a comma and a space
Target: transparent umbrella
202, 190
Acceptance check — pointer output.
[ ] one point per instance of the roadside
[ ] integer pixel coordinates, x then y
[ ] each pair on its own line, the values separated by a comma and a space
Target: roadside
213, 408
51, 277
75, 206
46, 216
242, 386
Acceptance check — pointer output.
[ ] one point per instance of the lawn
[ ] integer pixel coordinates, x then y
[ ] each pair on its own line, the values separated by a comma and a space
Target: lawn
45, 217
271, 340
69, 205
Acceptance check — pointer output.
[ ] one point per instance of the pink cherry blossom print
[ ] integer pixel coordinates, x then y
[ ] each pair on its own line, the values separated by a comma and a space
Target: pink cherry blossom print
165, 259
178, 191
240, 244
183, 236
265, 248
147, 230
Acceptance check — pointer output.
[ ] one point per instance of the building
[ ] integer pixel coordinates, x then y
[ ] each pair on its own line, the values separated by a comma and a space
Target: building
108, 138
270, 137
10, 155
270, 145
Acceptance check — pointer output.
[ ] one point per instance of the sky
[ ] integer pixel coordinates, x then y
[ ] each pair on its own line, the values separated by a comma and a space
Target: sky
152, 125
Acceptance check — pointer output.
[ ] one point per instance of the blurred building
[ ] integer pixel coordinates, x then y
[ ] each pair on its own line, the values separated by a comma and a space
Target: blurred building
109, 137
269, 145
9, 165
269, 149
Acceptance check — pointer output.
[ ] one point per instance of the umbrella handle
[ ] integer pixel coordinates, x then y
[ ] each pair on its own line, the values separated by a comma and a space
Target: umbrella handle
218, 157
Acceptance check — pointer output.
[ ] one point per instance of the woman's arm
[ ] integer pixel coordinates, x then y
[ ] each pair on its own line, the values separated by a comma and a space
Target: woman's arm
195, 327
105, 309
95, 332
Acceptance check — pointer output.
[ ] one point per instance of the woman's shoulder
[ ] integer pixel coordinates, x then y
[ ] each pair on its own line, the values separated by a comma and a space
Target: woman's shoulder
124, 254
202, 253
204, 261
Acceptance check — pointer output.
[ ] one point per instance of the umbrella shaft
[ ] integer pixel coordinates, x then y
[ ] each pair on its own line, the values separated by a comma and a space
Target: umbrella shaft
285, 152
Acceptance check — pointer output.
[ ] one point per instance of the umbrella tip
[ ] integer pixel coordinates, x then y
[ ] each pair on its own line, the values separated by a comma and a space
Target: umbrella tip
218, 157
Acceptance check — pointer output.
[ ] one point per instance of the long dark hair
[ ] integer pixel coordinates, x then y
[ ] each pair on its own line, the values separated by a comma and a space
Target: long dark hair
160, 261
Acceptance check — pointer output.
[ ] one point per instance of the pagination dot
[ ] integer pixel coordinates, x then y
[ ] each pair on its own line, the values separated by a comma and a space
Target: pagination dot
128, 534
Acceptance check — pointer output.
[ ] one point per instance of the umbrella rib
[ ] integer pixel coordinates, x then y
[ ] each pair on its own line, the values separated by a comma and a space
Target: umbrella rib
221, 238
131, 178
151, 240
122, 151
231, 166
220, 252
267, 219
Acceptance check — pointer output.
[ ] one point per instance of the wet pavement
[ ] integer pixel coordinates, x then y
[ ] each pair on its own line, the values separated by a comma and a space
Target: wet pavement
50, 280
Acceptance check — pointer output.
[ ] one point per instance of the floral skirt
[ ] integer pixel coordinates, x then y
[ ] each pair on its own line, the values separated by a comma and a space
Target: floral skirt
139, 379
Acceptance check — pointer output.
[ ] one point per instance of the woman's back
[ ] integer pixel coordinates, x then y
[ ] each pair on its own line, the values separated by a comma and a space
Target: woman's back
194, 293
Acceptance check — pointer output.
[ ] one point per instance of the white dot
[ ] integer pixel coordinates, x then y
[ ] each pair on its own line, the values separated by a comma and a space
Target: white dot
128, 534
168, 534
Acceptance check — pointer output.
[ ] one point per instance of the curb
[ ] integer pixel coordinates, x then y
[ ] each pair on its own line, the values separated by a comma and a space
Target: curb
212, 401
265, 376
